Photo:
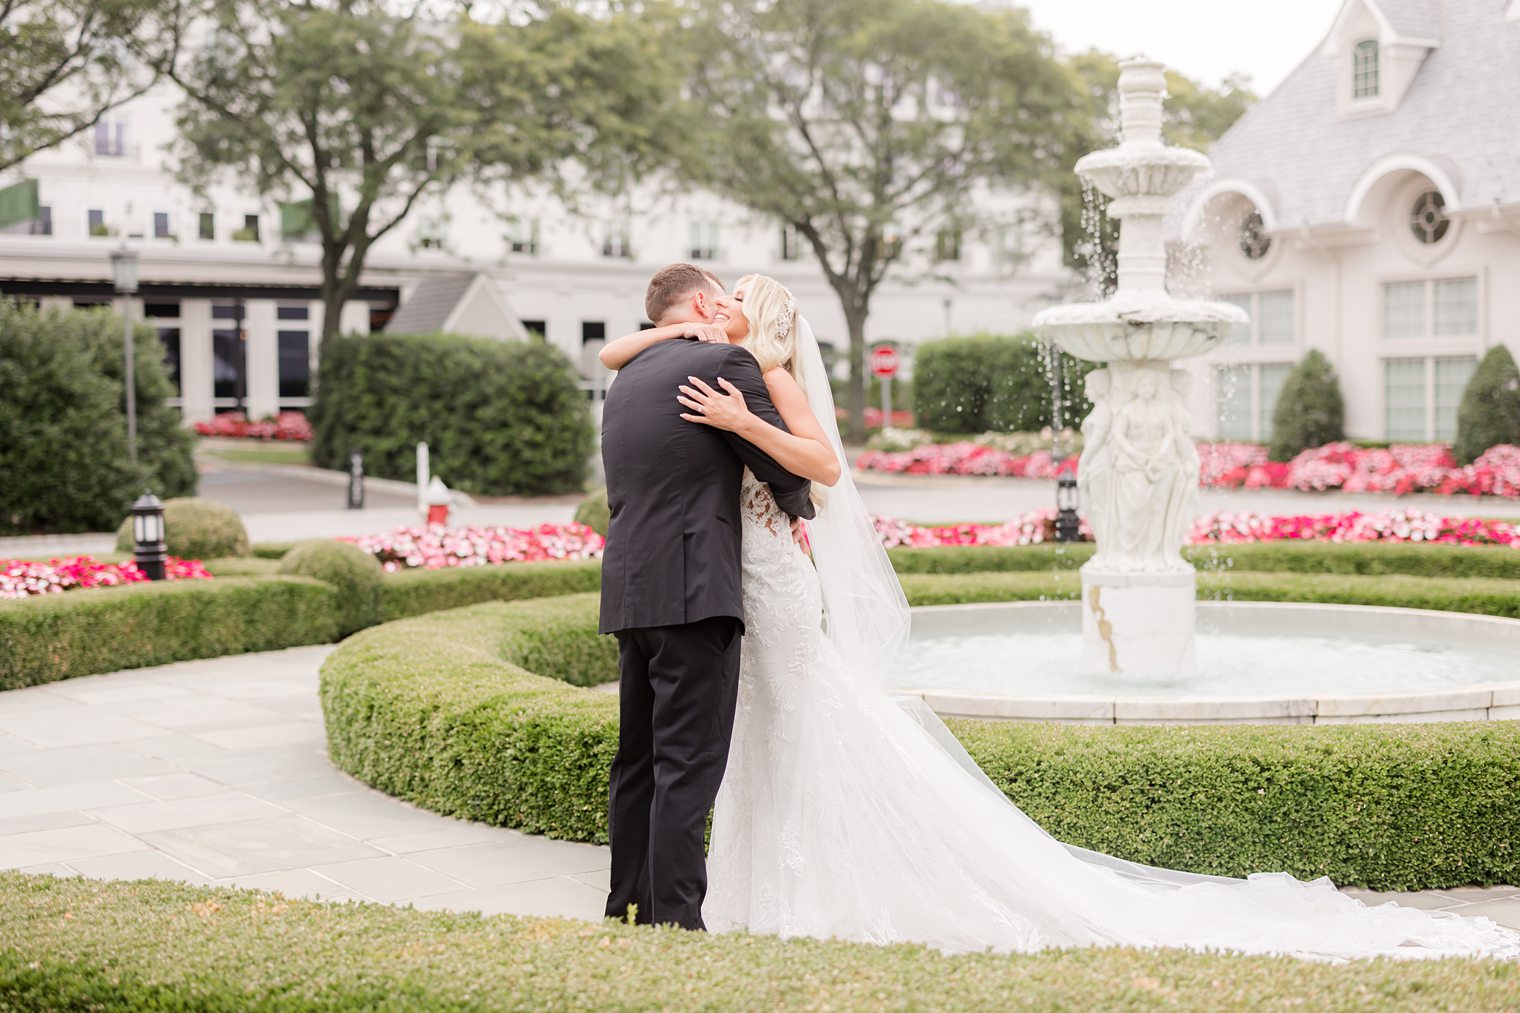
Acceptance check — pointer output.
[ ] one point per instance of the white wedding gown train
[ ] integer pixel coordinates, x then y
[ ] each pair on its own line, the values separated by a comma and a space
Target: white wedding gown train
846, 815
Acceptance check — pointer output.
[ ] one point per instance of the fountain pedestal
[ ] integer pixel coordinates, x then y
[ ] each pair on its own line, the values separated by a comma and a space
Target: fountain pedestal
1138, 475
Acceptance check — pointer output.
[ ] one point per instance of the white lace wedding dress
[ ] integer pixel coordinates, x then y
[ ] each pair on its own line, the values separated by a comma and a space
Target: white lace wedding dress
843, 815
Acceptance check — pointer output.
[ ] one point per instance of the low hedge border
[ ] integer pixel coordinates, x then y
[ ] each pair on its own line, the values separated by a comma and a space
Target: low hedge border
84, 944
105, 629
474, 713
1358, 558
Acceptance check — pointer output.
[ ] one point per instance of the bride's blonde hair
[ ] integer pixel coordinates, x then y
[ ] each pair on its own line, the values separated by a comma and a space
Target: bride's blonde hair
772, 312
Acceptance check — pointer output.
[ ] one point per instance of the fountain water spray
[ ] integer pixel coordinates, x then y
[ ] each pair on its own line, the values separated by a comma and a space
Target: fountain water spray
1139, 473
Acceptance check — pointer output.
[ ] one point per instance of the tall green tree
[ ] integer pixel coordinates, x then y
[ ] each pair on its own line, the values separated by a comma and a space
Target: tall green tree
869, 127
65, 63
1310, 411
1194, 116
350, 111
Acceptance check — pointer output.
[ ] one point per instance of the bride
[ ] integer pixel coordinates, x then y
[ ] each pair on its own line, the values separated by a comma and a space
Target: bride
847, 813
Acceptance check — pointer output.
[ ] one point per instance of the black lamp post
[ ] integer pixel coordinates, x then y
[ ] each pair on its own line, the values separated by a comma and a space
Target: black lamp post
150, 552
124, 280
1068, 527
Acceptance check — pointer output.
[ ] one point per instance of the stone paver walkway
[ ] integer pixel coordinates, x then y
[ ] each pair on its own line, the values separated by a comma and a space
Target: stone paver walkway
215, 772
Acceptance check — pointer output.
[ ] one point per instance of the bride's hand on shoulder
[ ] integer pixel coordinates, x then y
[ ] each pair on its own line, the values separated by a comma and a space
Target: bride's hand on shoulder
712, 334
708, 407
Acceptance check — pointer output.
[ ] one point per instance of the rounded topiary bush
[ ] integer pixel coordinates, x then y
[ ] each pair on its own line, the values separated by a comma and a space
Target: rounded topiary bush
195, 529
594, 512
499, 418
1310, 411
64, 464
994, 383
355, 573
1489, 413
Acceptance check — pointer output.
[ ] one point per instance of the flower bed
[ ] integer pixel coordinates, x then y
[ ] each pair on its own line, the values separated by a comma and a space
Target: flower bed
291, 426
1038, 526
1400, 469
436, 547
21, 578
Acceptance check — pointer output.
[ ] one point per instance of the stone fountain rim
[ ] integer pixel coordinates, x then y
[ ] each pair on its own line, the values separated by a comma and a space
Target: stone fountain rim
1497, 700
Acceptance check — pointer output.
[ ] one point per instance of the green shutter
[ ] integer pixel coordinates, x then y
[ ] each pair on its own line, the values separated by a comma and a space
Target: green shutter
19, 203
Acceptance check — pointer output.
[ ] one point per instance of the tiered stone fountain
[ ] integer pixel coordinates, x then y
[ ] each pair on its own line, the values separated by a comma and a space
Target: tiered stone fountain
1139, 473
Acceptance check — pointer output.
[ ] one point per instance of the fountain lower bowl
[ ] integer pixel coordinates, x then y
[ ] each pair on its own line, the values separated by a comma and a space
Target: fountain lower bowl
1259, 662
1133, 330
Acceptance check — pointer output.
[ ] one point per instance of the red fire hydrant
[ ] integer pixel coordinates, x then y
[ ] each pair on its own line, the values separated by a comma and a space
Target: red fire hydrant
439, 498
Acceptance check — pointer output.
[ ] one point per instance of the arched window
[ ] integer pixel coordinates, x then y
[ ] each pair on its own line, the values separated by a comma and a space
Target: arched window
1427, 219
1254, 241
1364, 69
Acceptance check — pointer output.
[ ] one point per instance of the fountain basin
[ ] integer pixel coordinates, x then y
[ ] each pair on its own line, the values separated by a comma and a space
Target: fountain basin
1129, 328
1258, 662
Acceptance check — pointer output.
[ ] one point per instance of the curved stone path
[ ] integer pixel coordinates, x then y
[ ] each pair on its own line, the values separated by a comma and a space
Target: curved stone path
215, 772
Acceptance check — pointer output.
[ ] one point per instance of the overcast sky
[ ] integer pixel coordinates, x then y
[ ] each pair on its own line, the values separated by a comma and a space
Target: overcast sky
1204, 39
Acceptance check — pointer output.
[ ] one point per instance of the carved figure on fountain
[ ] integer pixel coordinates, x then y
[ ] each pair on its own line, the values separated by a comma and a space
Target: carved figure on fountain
1095, 476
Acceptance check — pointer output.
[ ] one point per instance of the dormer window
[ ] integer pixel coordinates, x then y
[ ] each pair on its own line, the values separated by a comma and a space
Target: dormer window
1427, 220
1254, 241
1364, 69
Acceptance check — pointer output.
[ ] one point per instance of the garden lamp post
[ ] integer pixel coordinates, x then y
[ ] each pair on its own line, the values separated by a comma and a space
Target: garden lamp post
124, 277
149, 551
1068, 526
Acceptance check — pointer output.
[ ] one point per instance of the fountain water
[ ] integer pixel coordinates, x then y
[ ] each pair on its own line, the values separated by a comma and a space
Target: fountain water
1139, 474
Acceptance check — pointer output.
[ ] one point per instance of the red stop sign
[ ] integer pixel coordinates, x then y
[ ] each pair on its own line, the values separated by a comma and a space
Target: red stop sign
884, 361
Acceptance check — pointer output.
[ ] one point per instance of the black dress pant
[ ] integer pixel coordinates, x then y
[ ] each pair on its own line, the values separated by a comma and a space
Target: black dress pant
678, 687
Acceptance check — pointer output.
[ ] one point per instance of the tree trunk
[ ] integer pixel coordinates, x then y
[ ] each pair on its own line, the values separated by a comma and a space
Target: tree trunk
855, 427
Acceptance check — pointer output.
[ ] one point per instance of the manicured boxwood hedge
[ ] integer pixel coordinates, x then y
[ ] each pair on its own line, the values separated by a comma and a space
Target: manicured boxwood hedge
1367, 558
413, 592
105, 629
71, 944
474, 713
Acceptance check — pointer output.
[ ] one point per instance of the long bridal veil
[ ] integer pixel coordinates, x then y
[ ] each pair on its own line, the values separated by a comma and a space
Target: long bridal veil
866, 618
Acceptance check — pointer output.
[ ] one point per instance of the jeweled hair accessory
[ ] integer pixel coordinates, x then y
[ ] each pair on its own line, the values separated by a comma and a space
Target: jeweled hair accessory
788, 311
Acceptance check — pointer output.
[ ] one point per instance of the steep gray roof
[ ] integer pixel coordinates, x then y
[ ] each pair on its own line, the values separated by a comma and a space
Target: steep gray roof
430, 305
1462, 112
1413, 19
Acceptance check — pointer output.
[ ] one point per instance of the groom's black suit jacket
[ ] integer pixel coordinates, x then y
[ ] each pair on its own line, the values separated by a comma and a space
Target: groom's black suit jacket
672, 554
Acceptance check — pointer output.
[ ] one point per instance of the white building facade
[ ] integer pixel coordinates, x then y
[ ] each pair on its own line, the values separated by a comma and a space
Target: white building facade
236, 301
1370, 208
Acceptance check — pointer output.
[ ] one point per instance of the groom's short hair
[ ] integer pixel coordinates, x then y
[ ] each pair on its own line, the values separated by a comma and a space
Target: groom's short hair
672, 283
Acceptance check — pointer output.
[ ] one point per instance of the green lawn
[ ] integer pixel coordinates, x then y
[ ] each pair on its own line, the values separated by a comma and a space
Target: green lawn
68, 944
259, 453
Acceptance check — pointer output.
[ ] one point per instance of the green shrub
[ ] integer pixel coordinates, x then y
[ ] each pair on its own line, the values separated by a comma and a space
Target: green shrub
415, 592
993, 382
441, 710
1489, 413
1350, 558
195, 529
473, 713
63, 429
1310, 411
594, 512
499, 418
354, 573
106, 629
76, 944
271, 550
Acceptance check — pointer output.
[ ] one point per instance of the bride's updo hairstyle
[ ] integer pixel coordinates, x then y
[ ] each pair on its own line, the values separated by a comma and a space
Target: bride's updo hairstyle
772, 312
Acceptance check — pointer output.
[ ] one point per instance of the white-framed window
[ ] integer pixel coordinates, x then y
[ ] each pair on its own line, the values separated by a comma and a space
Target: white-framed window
793, 244
161, 227
1443, 308
1427, 218
1008, 248
947, 245
1273, 318
1420, 397
615, 239
522, 235
1364, 69
704, 240
1245, 397
110, 137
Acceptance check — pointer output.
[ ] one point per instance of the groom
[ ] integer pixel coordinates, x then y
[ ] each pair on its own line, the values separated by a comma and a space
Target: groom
670, 593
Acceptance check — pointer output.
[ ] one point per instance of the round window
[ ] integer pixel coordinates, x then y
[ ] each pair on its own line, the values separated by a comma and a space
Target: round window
1427, 220
1254, 241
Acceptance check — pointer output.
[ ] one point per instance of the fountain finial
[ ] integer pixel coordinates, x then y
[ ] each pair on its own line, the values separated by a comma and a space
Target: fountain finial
1142, 87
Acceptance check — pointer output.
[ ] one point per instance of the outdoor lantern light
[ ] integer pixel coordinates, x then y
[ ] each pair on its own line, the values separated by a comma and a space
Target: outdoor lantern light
150, 551
1067, 524
124, 276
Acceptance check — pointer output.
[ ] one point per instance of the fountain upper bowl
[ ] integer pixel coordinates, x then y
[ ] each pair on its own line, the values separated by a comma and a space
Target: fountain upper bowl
1142, 170
1132, 328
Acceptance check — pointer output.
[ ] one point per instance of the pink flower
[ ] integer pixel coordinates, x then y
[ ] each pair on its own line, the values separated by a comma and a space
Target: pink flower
436, 547
22, 578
